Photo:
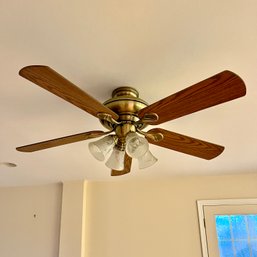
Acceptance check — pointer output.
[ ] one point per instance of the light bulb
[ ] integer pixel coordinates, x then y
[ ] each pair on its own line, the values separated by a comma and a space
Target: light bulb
116, 160
136, 146
100, 148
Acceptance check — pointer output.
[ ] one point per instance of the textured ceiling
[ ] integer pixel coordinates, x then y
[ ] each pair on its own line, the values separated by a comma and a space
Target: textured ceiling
158, 47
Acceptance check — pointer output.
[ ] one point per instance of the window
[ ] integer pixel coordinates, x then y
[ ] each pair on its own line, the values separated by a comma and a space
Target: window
228, 227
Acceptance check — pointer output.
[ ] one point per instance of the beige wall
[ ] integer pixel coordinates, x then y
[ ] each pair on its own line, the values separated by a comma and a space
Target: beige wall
154, 218
30, 221
113, 219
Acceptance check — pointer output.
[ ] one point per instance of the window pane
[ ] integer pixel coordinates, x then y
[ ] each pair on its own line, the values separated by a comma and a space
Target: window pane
223, 227
253, 245
226, 249
252, 225
238, 226
242, 249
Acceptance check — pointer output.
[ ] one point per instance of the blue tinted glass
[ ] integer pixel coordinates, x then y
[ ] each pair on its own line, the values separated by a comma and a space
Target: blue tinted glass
242, 242
253, 245
239, 226
226, 249
242, 248
223, 227
252, 225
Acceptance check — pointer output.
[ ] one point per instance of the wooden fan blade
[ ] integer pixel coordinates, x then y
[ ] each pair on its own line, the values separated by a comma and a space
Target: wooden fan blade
218, 89
185, 144
61, 141
127, 167
50, 80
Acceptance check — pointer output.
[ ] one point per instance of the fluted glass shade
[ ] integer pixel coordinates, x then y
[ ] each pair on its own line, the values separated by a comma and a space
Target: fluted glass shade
146, 160
136, 146
100, 148
116, 160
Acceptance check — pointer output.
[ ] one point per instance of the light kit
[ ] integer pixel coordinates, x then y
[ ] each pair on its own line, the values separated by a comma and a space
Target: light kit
136, 147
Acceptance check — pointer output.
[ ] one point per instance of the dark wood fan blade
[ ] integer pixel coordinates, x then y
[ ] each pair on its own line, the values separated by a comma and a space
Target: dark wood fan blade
127, 167
60, 141
185, 144
218, 89
50, 80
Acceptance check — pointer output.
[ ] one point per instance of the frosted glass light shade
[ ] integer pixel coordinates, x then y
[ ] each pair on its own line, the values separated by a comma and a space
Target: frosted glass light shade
146, 160
116, 160
136, 146
100, 148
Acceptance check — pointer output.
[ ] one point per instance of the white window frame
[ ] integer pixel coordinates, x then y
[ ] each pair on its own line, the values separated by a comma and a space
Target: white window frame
203, 203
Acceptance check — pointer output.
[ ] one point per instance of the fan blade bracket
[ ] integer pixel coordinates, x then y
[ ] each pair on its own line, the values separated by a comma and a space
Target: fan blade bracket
156, 137
107, 117
149, 118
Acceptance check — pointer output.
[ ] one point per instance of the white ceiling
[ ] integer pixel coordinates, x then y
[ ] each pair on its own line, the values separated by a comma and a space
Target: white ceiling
158, 47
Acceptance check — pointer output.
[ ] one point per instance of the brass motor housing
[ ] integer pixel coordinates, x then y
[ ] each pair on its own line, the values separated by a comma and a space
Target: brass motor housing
126, 103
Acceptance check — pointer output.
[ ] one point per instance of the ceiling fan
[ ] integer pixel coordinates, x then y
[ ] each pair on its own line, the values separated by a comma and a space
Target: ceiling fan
125, 116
